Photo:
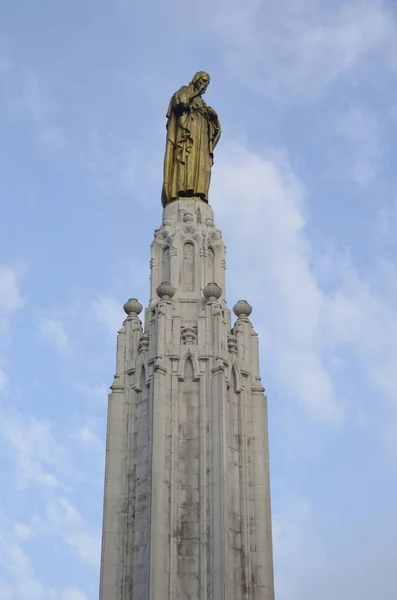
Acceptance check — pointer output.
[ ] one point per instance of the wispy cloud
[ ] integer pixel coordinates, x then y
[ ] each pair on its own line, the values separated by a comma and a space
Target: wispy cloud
272, 227
25, 96
11, 299
296, 544
3, 379
32, 448
304, 320
360, 130
53, 332
94, 392
69, 595
20, 570
62, 520
108, 312
22, 580
86, 436
303, 46
52, 139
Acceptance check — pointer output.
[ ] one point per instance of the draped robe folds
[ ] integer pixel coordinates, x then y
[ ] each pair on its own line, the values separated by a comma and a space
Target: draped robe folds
193, 130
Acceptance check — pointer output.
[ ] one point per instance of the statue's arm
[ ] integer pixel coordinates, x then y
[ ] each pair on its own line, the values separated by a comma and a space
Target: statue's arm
181, 100
215, 125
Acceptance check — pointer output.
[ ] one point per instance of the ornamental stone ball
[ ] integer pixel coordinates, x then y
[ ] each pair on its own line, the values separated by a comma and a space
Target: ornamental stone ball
132, 306
242, 309
212, 291
165, 290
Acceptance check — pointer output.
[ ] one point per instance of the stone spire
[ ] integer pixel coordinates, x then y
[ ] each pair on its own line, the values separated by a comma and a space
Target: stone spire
187, 499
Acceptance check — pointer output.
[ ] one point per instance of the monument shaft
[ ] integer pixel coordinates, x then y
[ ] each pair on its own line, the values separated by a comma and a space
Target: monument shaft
187, 500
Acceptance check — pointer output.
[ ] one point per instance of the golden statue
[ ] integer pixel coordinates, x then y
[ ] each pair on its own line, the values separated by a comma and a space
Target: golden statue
193, 131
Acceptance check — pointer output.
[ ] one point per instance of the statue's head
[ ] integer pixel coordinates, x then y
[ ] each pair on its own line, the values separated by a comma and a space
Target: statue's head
200, 81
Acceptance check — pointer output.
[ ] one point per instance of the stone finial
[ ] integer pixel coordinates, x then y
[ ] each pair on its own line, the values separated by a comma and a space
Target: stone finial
242, 309
165, 290
232, 344
189, 335
132, 306
212, 291
143, 343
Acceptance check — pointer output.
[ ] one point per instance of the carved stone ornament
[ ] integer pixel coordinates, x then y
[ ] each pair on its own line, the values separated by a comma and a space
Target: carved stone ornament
165, 290
143, 343
132, 307
188, 217
242, 309
189, 336
232, 344
212, 291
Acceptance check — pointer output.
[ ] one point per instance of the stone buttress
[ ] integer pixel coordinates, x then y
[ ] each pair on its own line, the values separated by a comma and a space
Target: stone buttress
187, 499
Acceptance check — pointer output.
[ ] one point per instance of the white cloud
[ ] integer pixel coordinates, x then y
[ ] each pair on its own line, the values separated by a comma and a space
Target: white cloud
314, 559
52, 139
94, 392
23, 583
86, 544
111, 161
5, 65
304, 45
63, 520
20, 569
360, 131
3, 379
23, 93
22, 531
53, 332
305, 324
10, 294
86, 437
109, 312
32, 448
296, 545
385, 222
71, 594
34, 99
5, 592
273, 268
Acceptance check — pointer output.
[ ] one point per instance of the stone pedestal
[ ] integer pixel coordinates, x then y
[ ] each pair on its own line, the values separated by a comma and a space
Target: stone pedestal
187, 500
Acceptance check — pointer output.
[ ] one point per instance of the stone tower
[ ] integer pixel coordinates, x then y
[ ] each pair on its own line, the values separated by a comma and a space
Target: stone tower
187, 500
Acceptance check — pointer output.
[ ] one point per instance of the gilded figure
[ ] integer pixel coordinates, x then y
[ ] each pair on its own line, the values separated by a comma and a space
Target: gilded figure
193, 131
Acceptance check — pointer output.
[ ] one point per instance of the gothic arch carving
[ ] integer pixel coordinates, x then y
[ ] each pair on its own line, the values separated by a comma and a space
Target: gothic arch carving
188, 272
190, 235
141, 368
166, 264
182, 365
235, 378
211, 264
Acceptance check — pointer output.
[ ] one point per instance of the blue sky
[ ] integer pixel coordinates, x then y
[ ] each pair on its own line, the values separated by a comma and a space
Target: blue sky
304, 190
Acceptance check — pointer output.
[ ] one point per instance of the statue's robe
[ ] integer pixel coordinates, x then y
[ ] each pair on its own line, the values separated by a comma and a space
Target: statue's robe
192, 134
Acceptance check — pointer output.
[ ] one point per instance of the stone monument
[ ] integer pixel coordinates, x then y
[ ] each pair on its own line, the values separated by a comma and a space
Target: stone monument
187, 500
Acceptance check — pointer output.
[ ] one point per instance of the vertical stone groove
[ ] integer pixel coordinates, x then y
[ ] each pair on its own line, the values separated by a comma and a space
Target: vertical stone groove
188, 505
188, 267
235, 439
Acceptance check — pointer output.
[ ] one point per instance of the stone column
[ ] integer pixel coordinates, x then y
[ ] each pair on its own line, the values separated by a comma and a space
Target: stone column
187, 498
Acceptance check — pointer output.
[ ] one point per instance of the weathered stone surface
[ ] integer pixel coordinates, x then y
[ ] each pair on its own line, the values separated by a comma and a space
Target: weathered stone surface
187, 499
